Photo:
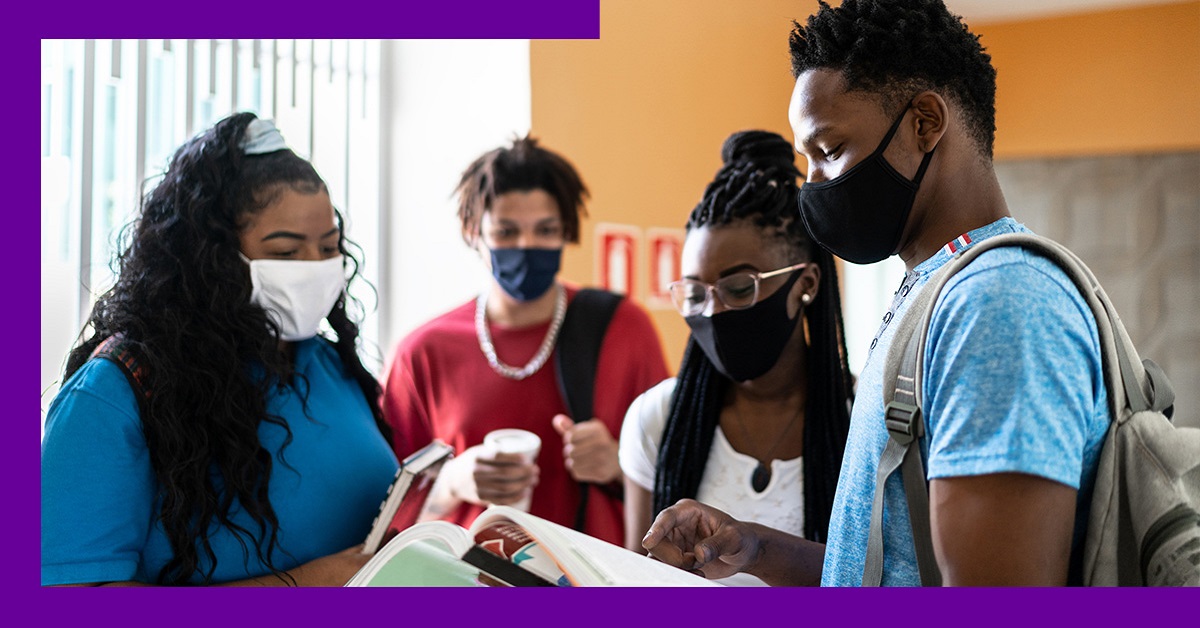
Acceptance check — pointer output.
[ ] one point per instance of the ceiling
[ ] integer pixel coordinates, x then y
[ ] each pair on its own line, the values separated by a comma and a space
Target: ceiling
977, 11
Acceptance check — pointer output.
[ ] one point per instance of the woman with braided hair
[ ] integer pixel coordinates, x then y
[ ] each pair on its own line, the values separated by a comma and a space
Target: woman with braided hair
206, 433
756, 420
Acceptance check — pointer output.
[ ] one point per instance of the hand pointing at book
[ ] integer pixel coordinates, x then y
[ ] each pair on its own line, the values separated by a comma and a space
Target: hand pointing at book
701, 539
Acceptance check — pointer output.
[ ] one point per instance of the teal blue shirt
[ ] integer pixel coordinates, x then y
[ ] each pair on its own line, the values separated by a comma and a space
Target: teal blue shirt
100, 498
1012, 383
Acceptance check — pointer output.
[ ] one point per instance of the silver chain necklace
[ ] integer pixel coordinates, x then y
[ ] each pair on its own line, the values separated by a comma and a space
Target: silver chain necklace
539, 358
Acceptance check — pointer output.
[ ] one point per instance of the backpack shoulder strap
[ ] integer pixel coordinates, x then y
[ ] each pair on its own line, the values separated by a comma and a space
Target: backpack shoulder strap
579, 341
1130, 381
905, 426
120, 351
575, 361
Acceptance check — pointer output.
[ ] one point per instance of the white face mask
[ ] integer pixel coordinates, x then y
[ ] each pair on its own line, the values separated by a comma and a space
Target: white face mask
296, 294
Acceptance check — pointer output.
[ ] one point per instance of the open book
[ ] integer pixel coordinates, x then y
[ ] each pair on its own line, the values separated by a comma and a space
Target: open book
531, 551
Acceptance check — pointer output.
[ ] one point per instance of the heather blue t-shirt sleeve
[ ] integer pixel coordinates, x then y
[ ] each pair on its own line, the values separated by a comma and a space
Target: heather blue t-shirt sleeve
1014, 326
97, 483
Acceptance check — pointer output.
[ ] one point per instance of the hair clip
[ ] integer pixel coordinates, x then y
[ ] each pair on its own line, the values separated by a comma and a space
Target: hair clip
262, 137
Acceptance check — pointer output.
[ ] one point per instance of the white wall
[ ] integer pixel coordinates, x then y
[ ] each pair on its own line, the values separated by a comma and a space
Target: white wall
868, 292
447, 102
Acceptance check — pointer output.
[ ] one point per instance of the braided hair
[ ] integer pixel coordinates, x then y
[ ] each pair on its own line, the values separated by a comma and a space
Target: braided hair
181, 301
758, 183
897, 48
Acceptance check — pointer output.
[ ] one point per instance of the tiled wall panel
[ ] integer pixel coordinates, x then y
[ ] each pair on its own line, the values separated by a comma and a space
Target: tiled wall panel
1135, 220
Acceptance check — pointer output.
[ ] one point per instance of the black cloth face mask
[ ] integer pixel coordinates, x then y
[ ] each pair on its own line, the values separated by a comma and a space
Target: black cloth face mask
860, 215
745, 344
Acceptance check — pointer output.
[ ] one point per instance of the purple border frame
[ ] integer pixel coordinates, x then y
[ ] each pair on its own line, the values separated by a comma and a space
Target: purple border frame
535, 19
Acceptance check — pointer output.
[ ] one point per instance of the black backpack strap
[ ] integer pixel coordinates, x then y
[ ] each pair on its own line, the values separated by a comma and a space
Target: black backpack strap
120, 351
575, 361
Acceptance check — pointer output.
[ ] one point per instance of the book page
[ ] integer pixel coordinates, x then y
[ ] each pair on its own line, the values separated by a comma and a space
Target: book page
588, 561
421, 563
442, 536
511, 542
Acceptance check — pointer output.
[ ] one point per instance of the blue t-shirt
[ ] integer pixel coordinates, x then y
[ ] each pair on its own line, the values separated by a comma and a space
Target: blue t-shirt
100, 499
1012, 382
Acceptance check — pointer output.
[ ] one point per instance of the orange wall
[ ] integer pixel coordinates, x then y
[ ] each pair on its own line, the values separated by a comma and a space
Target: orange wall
1098, 83
643, 110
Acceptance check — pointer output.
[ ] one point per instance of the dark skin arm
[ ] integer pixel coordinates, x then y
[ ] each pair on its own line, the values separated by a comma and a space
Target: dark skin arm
702, 539
1003, 529
334, 570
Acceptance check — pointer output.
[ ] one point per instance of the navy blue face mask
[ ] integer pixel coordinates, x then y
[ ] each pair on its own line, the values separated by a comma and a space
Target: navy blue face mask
525, 274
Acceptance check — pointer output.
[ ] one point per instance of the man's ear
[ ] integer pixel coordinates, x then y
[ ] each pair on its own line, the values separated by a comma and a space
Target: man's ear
932, 119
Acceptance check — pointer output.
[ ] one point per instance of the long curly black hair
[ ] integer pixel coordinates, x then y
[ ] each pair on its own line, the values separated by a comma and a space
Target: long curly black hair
182, 303
758, 183
897, 48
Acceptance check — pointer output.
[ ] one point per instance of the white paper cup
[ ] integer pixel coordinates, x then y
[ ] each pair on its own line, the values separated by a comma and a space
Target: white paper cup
514, 441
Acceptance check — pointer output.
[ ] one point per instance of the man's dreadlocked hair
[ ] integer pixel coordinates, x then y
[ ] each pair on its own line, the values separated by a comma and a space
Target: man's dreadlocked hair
898, 48
757, 183
522, 166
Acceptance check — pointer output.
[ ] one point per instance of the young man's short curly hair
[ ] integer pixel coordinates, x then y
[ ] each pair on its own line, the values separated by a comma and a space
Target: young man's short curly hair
897, 48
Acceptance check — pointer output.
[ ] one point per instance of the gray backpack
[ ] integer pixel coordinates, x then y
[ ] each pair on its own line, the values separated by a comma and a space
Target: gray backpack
1143, 528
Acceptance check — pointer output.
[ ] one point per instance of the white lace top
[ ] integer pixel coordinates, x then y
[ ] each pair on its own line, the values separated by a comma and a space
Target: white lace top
725, 484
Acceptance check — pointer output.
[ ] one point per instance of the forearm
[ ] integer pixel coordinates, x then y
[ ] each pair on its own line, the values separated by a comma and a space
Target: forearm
263, 581
267, 580
786, 560
123, 583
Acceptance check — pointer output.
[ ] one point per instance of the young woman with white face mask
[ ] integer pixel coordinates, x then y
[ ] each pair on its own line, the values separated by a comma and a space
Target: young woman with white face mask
489, 363
206, 432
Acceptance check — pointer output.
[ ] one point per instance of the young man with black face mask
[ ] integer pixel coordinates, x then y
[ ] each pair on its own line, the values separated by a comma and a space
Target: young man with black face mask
489, 363
893, 107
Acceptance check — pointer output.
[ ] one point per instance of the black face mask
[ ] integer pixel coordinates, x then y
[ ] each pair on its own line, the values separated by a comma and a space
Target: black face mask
745, 344
860, 215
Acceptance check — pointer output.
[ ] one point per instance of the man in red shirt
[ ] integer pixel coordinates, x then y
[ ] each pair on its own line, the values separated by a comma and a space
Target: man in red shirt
487, 364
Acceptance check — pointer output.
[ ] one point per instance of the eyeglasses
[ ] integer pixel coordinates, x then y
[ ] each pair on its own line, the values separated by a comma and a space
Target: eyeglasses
736, 292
